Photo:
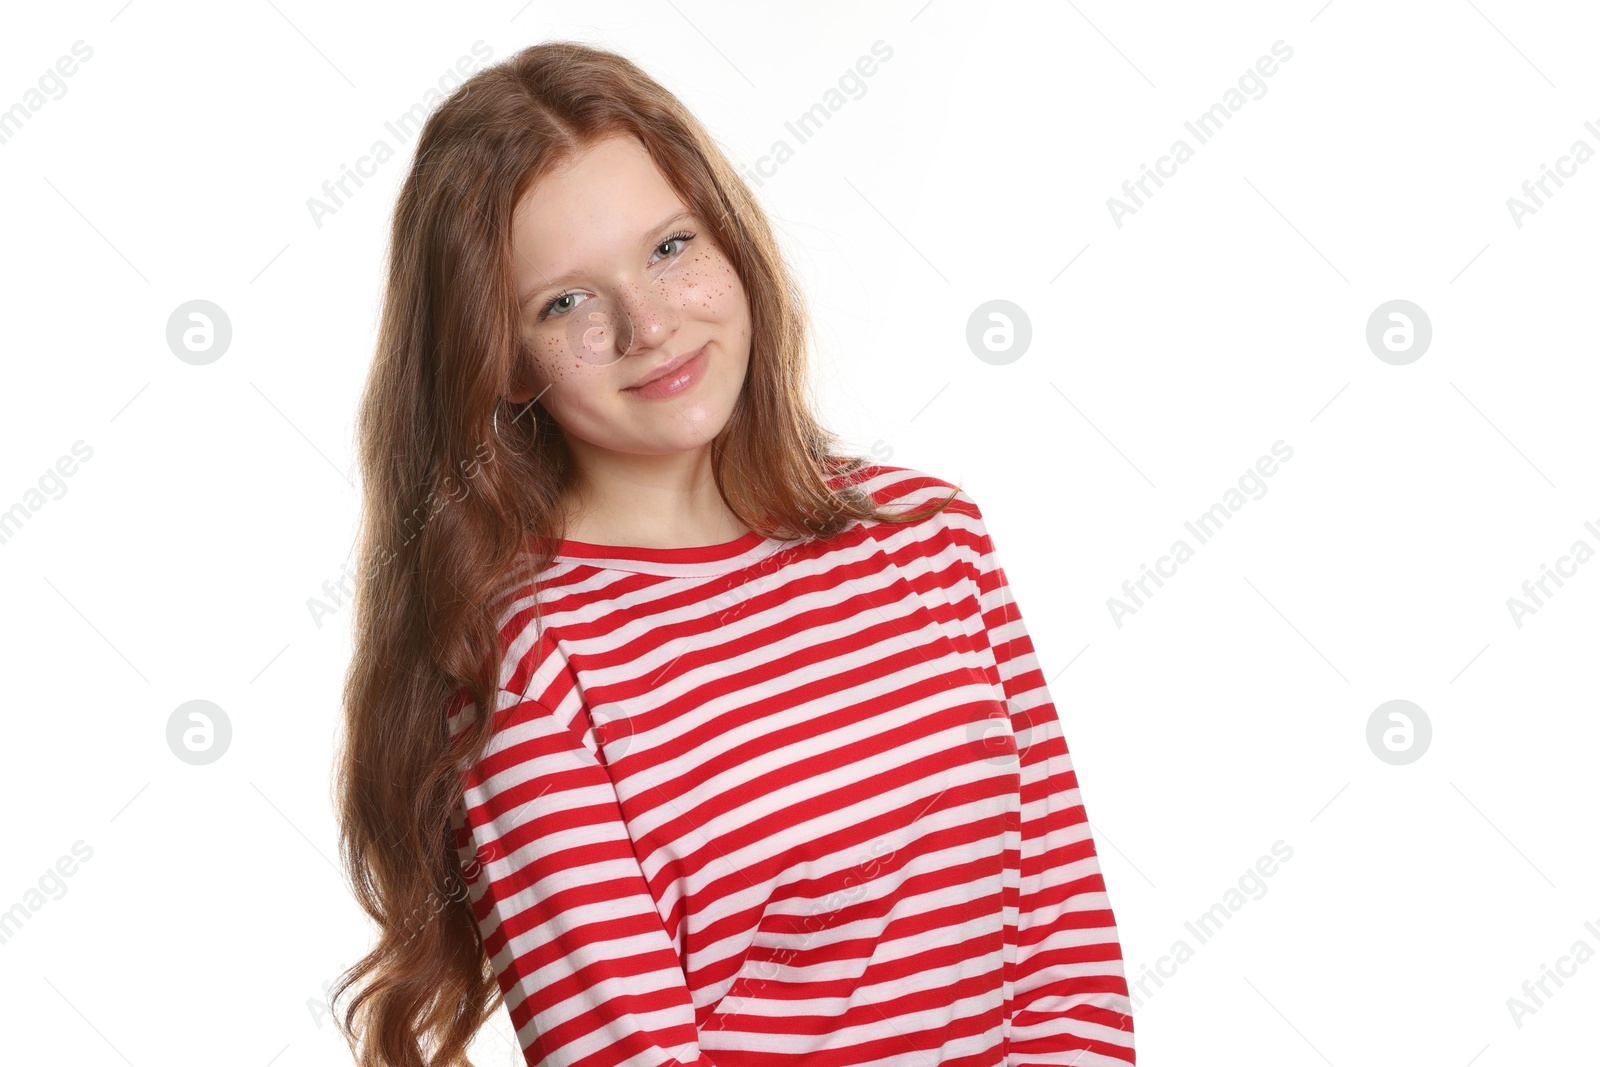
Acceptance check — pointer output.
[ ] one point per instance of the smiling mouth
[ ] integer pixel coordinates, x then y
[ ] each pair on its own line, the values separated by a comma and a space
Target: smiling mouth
672, 367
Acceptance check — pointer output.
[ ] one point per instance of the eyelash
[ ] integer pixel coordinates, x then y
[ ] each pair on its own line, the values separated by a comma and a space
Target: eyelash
681, 235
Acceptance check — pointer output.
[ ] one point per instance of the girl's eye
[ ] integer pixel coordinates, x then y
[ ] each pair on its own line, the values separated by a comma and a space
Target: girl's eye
685, 237
552, 309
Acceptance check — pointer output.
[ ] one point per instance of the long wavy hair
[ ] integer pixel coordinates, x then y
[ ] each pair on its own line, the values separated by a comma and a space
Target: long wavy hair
459, 514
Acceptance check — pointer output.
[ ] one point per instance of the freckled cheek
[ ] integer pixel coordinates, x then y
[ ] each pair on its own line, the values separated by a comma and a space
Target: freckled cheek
578, 391
708, 288
553, 364
556, 364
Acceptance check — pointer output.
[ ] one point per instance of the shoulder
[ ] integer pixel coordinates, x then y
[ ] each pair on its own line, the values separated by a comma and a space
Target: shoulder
903, 488
956, 528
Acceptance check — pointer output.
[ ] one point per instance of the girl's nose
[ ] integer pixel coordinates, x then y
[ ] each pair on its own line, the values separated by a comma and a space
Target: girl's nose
650, 312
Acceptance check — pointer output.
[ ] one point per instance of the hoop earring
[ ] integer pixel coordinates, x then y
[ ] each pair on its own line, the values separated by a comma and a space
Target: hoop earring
494, 419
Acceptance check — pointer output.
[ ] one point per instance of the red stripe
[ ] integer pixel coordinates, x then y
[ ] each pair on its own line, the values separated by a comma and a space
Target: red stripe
782, 774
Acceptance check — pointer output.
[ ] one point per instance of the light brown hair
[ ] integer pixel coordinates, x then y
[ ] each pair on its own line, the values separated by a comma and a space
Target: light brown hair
452, 509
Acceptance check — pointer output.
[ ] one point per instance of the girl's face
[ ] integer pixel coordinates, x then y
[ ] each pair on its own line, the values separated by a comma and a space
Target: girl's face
619, 280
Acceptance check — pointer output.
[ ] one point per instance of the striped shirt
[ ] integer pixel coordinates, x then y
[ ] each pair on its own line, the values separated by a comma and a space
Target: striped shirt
772, 803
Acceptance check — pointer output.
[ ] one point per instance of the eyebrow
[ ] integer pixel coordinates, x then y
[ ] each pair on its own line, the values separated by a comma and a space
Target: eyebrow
571, 275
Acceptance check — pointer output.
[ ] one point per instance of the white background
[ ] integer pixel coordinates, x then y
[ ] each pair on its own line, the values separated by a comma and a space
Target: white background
1227, 313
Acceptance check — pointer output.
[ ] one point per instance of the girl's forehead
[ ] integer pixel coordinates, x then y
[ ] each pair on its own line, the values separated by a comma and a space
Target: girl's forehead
597, 183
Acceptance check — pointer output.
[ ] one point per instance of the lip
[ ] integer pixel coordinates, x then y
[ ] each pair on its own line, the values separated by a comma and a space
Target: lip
674, 376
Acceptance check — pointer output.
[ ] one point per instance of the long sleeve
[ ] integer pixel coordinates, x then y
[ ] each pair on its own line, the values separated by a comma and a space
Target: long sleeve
1070, 995
589, 972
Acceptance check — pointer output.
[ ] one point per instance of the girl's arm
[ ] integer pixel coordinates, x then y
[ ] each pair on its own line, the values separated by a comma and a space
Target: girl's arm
579, 949
1070, 996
